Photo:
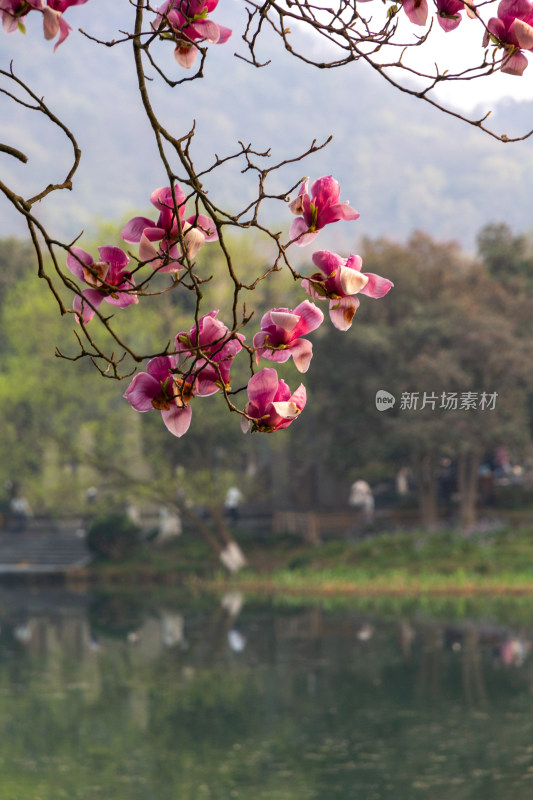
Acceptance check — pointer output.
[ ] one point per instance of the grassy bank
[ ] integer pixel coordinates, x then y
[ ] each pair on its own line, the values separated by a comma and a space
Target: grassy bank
415, 563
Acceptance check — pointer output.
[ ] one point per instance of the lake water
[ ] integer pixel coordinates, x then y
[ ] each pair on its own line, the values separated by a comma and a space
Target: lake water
141, 697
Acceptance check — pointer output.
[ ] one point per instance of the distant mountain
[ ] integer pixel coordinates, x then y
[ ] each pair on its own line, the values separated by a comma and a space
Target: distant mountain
402, 164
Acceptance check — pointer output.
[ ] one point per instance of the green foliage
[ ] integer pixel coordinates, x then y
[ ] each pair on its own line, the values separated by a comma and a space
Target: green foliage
113, 537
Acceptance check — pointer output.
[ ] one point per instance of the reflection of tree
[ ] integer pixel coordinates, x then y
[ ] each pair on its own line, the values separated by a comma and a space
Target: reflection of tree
307, 710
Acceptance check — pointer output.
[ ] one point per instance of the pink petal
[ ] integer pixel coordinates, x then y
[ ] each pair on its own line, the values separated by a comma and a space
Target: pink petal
311, 317
284, 319
326, 261
82, 308
177, 420
223, 34
523, 33
302, 352
515, 65
115, 257
64, 30
185, 55
262, 387
142, 391
342, 312
50, 22
207, 29
376, 286
74, 257
134, 229
299, 231
351, 281
416, 10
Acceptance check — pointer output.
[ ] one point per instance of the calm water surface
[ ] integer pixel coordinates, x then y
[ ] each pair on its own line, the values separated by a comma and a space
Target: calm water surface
112, 697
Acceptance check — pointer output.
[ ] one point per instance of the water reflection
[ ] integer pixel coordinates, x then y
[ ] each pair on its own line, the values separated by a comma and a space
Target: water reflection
123, 696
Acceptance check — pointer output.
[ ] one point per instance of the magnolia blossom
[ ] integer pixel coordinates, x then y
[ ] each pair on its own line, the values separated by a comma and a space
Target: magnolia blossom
188, 22
161, 389
281, 329
449, 13
317, 210
271, 405
416, 10
340, 280
196, 230
13, 13
108, 277
207, 352
513, 30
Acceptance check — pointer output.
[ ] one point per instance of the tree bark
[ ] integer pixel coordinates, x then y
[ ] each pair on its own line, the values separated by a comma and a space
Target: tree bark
467, 473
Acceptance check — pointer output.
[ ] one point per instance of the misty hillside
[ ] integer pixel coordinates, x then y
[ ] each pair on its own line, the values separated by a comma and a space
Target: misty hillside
402, 164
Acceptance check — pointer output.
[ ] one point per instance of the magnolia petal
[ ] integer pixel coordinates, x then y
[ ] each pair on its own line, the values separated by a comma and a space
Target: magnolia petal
223, 34
342, 312
286, 410
352, 281
207, 29
327, 261
299, 232
133, 230
302, 353
515, 64
376, 286
123, 297
75, 256
336, 212
193, 240
285, 319
206, 225
64, 30
523, 33
449, 23
311, 317
185, 55
142, 391
416, 10
115, 257
82, 308
515, 8
177, 420
50, 22
262, 387
279, 356
147, 252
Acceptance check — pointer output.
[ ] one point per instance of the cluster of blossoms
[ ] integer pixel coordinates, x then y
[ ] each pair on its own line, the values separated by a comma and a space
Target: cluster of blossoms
201, 360
200, 367
511, 30
14, 12
185, 22
194, 231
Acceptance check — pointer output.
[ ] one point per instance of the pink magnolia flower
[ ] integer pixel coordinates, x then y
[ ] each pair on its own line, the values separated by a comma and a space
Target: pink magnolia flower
161, 389
271, 404
196, 230
108, 277
207, 351
416, 10
449, 13
188, 23
340, 280
53, 22
322, 208
14, 12
512, 29
281, 329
